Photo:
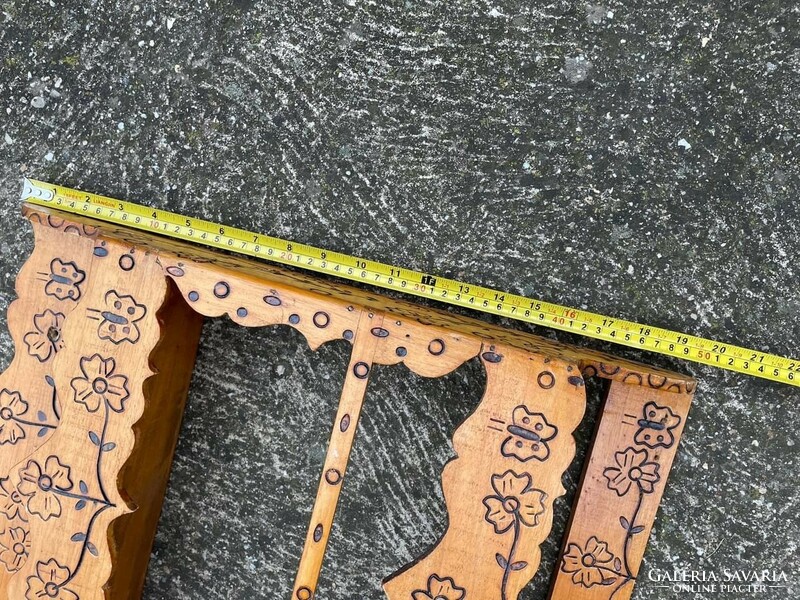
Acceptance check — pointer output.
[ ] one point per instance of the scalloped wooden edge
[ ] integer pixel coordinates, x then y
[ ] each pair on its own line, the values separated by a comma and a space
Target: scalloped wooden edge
213, 283
591, 362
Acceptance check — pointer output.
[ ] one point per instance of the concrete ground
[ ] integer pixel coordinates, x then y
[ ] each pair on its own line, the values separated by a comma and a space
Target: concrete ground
639, 159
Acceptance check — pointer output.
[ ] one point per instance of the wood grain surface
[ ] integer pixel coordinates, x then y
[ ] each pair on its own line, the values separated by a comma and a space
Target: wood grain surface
109, 319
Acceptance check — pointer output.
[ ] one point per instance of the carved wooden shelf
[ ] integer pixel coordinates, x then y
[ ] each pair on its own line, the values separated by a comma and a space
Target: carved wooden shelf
106, 328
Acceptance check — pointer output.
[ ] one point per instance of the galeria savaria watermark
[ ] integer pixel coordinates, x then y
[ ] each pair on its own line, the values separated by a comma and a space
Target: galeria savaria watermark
726, 581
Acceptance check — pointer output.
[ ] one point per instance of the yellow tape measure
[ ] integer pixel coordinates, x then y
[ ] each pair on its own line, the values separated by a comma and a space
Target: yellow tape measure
627, 333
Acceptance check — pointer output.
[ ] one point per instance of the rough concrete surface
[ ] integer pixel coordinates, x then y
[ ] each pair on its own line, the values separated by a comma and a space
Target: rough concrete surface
636, 158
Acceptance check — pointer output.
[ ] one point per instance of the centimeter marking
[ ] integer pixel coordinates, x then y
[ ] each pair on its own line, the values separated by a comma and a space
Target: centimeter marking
240, 241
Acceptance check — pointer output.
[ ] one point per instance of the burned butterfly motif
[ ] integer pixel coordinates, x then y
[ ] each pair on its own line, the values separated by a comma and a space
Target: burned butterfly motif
118, 320
64, 279
530, 433
655, 428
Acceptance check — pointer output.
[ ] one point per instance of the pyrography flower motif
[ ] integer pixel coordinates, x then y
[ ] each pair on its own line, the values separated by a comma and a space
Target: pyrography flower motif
530, 433
587, 565
440, 589
41, 486
14, 547
99, 384
119, 319
48, 581
11, 406
515, 499
11, 502
45, 339
656, 425
633, 468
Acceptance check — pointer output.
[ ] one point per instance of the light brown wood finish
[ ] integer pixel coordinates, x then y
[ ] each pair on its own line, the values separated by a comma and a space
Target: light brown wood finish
63, 478
341, 443
511, 452
500, 490
624, 478
145, 473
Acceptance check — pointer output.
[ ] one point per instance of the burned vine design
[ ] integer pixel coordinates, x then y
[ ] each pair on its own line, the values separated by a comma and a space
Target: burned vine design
514, 505
45, 489
634, 470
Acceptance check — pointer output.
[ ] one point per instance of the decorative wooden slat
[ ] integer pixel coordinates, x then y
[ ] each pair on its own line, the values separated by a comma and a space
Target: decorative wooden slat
624, 478
144, 475
106, 327
64, 481
500, 490
341, 443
